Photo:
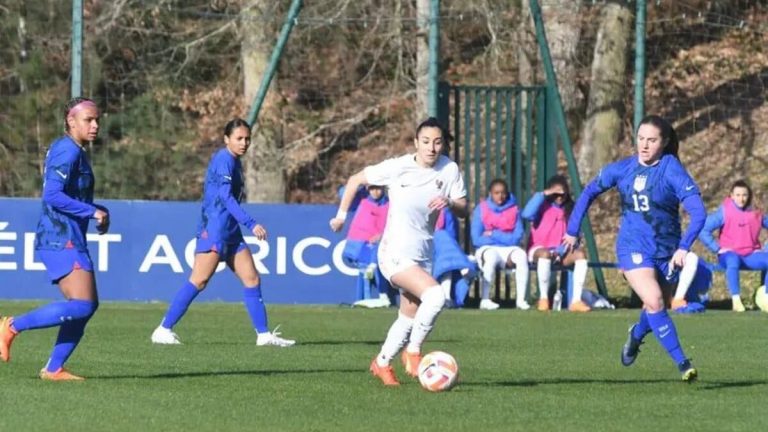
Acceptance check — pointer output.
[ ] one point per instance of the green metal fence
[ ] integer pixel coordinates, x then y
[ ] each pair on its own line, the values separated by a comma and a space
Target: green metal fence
505, 132
499, 132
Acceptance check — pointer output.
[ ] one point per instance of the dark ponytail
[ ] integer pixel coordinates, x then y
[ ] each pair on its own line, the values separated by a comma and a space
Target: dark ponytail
433, 123
668, 134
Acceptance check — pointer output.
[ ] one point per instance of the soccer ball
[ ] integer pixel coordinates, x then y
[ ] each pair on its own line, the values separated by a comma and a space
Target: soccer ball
438, 371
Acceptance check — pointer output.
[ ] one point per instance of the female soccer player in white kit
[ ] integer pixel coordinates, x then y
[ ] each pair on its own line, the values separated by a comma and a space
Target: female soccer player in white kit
420, 185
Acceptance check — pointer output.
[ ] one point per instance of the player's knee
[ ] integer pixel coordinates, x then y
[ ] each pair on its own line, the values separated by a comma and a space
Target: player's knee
518, 258
253, 280
199, 283
655, 305
433, 298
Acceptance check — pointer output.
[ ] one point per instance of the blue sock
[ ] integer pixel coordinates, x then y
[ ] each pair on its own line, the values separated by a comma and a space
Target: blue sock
184, 297
256, 309
54, 314
732, 280
642, 327
70, 334
666, 333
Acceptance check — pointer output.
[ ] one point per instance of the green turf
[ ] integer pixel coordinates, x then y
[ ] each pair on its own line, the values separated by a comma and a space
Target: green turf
519, 371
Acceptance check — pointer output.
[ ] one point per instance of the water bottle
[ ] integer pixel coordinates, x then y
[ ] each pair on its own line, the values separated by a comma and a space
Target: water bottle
557, 301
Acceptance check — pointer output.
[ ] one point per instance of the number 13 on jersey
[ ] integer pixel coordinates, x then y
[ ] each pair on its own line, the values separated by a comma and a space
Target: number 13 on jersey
642, 204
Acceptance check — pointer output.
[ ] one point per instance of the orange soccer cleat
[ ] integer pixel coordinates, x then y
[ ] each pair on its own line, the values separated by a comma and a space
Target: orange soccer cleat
678, 304
543, 305
411, 363
385, 373
579, 306
6, 338
60, 375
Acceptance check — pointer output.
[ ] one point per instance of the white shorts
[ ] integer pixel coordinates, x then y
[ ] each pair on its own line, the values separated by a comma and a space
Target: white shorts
503, 251
533, 250
391, 265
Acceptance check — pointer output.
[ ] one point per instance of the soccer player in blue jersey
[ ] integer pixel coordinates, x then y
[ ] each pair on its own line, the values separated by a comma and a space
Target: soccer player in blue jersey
219, 239
650, 248
68, 207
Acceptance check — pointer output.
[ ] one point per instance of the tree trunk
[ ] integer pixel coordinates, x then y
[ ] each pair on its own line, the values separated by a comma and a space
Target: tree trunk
562, 22
22, 32
527, 50
422, 60
605, 110
263, 163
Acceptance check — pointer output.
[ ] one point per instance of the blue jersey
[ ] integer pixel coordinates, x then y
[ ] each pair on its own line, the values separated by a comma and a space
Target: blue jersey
222, 193
650, 203
67, 197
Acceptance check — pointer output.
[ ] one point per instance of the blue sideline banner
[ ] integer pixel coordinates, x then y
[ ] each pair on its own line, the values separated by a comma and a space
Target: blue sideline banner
149, 251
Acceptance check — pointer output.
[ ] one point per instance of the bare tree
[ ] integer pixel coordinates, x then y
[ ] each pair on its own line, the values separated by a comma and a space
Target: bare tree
562, 22
527, 51
605, 109
22, 32
422, 59
263, 165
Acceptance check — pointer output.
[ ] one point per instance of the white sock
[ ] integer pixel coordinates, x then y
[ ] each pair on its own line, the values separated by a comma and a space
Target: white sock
432, 302
520, 259
396, 338
544, 272
579, 276
491, 261
485, 286
686, 275
445, 284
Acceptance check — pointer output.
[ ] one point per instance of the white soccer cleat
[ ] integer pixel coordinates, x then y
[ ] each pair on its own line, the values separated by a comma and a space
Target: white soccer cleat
523, 305
738, 306
164, 336
273, 339
761, 299
488, 304
373, 303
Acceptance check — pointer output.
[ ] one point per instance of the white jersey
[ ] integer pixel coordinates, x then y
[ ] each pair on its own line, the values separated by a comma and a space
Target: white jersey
410, 223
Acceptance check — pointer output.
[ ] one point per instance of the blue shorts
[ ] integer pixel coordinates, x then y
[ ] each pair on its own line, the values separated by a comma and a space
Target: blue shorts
635, 260
226, 250
59, 263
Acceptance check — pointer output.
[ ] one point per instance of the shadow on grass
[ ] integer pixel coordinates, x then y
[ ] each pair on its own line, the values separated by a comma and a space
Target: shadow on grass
359, 342
717, 385
174, 375
706, 385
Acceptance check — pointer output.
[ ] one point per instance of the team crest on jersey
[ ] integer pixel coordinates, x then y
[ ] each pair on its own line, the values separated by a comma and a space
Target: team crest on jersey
640, 183
439, 184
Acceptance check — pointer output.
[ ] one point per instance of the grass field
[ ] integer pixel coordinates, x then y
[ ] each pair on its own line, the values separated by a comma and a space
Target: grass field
519, 371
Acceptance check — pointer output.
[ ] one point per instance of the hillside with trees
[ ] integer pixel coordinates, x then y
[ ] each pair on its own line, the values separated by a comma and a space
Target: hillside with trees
168, 74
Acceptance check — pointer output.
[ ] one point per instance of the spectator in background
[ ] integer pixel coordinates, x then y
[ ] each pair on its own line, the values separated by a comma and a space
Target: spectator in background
452, 267
739, 241
548, 212
497, 230
361, 249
